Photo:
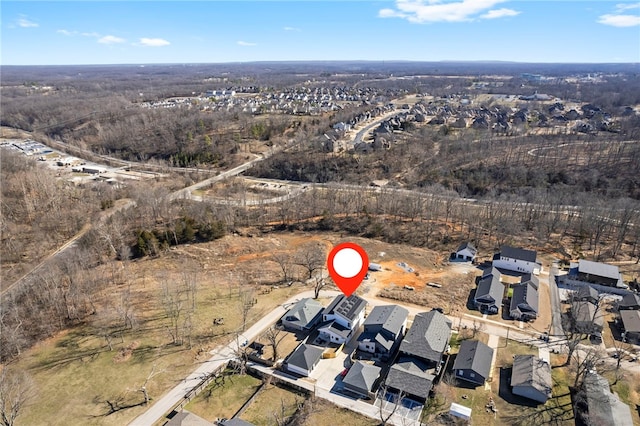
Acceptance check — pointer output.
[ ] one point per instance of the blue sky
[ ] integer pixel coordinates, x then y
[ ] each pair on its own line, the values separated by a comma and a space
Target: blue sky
123, 32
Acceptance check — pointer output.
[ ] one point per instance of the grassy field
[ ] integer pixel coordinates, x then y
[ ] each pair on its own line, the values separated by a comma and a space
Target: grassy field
86, 375
324, 413
223, 400
271, 405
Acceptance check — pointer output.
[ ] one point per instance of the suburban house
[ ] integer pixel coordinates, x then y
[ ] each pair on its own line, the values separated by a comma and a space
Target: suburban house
603, 407
631, 323
517, 260
629, 301
420, 357
341, 318
524, 301
303, 316
361, 379
586, 317
383, 330
587, 293
411, 377
466, 252
304, 359
489, 292
473, 362
596, 273
531, 378
428, 338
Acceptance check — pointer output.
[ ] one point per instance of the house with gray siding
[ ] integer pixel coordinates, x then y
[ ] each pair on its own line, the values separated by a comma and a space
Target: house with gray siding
384, 328
489, 292
531, 378
361, 379
473, 362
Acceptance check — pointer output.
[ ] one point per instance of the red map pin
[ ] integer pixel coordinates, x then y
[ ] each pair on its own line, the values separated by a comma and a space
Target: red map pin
348, 264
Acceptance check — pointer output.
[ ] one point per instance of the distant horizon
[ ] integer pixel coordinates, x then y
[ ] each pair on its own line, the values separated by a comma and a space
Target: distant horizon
310, 61
237, 32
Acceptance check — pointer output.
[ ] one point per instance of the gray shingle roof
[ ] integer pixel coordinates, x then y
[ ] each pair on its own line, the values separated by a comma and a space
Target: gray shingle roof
631, 321
389, 317
336, 328
518, 253
604, 407
490, 288
475, 356
525, 296
362, 376
469, 246
584, 313
529, 278
529, 370
304, 311
305, 356
599, 269
411, 376
428, 337
348, 307
587, 292
630, 300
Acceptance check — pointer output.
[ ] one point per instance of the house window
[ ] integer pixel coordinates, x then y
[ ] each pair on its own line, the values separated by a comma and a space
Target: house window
472, 375
460, 373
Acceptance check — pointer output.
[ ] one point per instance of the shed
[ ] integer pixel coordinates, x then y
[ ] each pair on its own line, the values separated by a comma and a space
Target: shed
461, 411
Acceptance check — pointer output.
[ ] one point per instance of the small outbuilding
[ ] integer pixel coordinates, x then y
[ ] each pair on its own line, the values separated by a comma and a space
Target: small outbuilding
460, 411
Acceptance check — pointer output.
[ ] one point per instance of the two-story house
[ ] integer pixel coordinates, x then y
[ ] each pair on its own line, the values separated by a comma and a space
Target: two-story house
341, 318
420, 357
383, 330
517, 260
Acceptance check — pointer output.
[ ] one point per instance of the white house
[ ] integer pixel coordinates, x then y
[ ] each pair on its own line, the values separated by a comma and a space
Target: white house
341, 318
517, 260
304, 359
531, 378
466, 252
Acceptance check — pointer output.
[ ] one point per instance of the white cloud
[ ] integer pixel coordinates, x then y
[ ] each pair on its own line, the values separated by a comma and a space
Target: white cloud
421, 11
246, 43
620, 7
91, 35
23, 22
153, 42
109, 39
291, 29
499, 13
619, 20
67, 32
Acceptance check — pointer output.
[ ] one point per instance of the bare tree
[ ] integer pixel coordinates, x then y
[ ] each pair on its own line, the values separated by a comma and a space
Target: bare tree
143, 388
285, 262
247, 301
274, 336
385, 411
16, 391
312, 258
173, 303
318, 284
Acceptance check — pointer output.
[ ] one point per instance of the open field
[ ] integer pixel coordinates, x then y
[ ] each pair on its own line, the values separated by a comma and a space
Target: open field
272, 405
224, 399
